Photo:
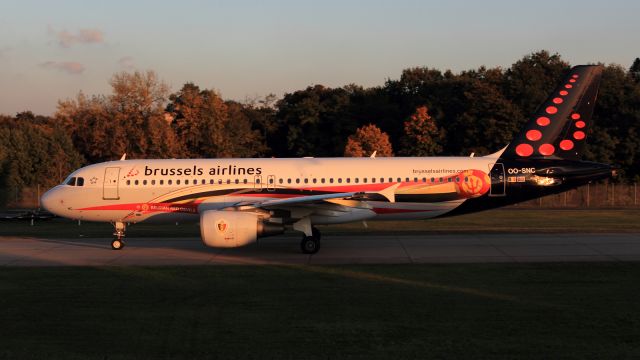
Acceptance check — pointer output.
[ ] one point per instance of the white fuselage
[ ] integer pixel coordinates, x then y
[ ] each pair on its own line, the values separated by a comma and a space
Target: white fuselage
178, 190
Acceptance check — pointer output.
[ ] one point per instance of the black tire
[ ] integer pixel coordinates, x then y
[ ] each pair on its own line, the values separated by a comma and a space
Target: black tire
117, 244
310, 245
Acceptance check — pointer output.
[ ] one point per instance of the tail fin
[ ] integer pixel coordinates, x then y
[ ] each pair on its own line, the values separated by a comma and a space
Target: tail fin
559, 127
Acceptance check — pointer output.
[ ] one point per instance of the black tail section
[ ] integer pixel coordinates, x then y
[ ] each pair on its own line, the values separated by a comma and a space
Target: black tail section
559, 127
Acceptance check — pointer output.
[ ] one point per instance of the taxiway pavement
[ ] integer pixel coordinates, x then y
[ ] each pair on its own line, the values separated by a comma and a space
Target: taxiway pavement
336, 249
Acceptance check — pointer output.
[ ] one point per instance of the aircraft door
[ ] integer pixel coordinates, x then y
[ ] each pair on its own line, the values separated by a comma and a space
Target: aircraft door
271, 183
257, 183
498, 180
110, 184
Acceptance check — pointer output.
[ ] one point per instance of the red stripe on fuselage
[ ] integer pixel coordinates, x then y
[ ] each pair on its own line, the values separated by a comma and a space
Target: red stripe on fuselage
148, 207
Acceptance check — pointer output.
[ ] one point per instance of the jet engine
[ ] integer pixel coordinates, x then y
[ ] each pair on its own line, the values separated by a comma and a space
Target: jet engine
227, 229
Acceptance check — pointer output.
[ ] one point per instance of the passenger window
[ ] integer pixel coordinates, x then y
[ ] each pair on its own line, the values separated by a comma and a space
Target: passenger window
381, 180
407, 179
144, 182
440, 179
161, 182
153, 182
390, 179
136, 182
177, 182
244, 181
314, 180
322, 180
211, 181
128, 182
466, 179
297, 181
229, 181
424, 180
237, 181
219, 181
449, 180
457, 179
169, 182
280, 180
356, 180
306, 181
186, 182
399, 180
348, 180
340, 180
331, 180
364, 180
288, 181
433, 180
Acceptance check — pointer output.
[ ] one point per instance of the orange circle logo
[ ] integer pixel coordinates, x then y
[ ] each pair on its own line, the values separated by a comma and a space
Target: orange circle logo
473, 183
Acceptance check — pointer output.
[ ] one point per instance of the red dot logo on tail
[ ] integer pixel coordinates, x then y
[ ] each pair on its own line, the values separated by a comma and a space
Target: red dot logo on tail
546, 149
534, 135
524, 150
566, 145
543, 121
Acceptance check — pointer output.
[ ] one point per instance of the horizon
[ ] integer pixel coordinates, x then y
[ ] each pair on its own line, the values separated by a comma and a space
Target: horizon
50, 52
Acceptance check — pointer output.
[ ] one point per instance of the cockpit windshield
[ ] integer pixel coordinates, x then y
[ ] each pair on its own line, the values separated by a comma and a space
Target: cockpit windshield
75, 181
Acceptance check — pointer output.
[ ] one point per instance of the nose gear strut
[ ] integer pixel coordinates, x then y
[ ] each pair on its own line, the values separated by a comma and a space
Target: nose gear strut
118, 243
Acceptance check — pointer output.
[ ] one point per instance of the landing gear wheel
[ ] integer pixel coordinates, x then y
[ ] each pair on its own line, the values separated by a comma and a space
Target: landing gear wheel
117, 244
311, 244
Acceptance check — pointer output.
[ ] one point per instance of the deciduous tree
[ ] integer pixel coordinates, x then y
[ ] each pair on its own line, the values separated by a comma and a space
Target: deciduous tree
366, 140
422, 135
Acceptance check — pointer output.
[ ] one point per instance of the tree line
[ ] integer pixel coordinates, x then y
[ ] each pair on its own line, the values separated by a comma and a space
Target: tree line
424, 112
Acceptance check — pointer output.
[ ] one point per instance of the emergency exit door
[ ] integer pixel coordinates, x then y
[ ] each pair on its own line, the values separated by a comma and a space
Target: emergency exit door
110, 184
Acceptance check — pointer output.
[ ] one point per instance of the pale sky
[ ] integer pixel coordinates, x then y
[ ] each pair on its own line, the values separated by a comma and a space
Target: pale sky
50, 50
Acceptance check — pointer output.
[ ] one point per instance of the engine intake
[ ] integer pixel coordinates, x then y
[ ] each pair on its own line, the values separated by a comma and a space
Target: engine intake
228, 229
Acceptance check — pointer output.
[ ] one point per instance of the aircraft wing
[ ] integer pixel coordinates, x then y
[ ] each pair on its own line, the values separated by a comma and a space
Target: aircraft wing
387, 194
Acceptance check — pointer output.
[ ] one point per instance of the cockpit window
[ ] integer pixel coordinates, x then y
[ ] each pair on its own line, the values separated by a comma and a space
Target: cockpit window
80, 181
72, 181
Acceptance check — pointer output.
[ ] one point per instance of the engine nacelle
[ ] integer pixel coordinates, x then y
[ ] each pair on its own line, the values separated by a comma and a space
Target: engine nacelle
227, 229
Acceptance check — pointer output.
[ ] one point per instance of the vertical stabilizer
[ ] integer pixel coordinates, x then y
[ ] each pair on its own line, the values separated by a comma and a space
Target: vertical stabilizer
559, 127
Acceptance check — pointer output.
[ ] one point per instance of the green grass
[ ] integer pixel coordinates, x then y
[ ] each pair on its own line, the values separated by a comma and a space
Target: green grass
530, 311
503, 220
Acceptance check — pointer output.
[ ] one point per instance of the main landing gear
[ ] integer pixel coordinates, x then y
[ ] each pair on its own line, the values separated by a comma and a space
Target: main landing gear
311, 244
118, 243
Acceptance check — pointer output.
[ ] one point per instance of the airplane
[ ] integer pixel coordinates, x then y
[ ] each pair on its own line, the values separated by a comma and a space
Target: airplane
237, 201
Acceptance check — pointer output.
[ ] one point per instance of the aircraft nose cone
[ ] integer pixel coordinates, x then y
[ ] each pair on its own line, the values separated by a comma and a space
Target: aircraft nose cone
49, 201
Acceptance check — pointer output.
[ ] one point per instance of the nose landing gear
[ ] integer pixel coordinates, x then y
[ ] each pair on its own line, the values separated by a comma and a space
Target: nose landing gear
118, 243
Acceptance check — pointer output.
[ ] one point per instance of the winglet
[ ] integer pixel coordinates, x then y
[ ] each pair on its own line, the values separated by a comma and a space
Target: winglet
390, 192
124, 157
373, 155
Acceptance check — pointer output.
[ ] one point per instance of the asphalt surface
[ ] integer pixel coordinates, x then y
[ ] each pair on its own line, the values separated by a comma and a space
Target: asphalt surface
337, 249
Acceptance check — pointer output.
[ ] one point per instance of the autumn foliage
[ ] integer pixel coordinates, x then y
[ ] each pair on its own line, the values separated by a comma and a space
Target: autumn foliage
423, 137
366, 140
